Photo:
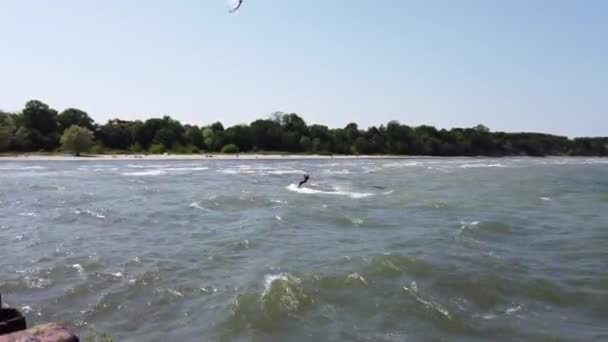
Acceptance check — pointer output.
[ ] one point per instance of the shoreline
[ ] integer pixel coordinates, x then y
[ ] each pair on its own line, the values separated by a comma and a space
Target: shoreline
245, 156
200, 157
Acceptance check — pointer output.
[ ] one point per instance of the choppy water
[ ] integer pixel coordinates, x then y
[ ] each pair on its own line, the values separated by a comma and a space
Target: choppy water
372, 250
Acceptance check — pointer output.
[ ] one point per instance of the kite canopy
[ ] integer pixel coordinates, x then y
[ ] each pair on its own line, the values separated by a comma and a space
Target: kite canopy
234, 5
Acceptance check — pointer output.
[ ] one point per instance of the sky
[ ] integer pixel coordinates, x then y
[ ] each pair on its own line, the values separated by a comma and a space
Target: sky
512, 65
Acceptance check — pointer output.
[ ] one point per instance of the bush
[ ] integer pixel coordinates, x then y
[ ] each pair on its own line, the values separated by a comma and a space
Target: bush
230, 148
98, 149
136, 148
77, 139
157, 149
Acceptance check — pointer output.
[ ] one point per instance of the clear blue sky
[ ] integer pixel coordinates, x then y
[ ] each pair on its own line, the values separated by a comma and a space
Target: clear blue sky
514, 65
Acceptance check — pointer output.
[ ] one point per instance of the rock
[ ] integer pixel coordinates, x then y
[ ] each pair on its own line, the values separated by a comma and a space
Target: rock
41, 333
11, 321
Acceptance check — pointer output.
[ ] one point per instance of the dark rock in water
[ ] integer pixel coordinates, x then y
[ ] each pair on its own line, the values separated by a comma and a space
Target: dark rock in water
11, 320
42, 333
13, 329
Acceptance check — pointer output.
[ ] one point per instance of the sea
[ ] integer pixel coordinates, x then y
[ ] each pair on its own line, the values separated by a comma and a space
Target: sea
417, 249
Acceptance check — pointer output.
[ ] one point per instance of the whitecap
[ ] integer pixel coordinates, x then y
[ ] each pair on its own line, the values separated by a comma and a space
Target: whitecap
545, 198
468, 166
145, 173
271, 278
89, 212
356, 278
285, 172
147, 166
356, 221
306, 190
175, 293
279, 201
22, 168
28, 214
513, 310
202, 168
388, 192
337, 172
78, 268
403, 164
198, 206
236, 171
26, 309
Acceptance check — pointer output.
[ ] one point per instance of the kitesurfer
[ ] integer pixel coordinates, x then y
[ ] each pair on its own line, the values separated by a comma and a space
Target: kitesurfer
306, 177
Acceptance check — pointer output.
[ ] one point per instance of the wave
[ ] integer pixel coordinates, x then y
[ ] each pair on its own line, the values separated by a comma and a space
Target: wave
145, 173
198, 206
147, 166
200, 168
22, 168
310, 191
90, 213
403, 164
337, 172
428, 303
236, 171
285, 172
283, 296
471, 166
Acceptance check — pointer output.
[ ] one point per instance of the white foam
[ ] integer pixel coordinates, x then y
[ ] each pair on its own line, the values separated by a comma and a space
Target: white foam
145, 173
545, 198
28, 214
403, 164
356, 221
511, 311
201, 168
78, 268
175, 293
285, 172
22, 168
271, 278
305, 190
337, 172
236, 171
356, 277
198, 206
388, 192
90, 212
147, 166
469, 166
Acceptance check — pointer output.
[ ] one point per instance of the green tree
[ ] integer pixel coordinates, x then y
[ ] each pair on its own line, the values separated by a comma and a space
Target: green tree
7, 131
117, 134
73, 116
241, 136
77, 139
305, 143
361, 146
39, 116
195, 137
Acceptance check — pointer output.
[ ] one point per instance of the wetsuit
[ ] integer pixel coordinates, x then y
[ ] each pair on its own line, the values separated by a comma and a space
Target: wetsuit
303, 181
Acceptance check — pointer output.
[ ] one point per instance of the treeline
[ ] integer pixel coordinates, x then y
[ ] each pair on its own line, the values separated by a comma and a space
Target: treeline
40, 128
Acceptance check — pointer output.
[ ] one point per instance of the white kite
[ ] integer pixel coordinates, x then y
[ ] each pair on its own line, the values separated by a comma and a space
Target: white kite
234, 5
